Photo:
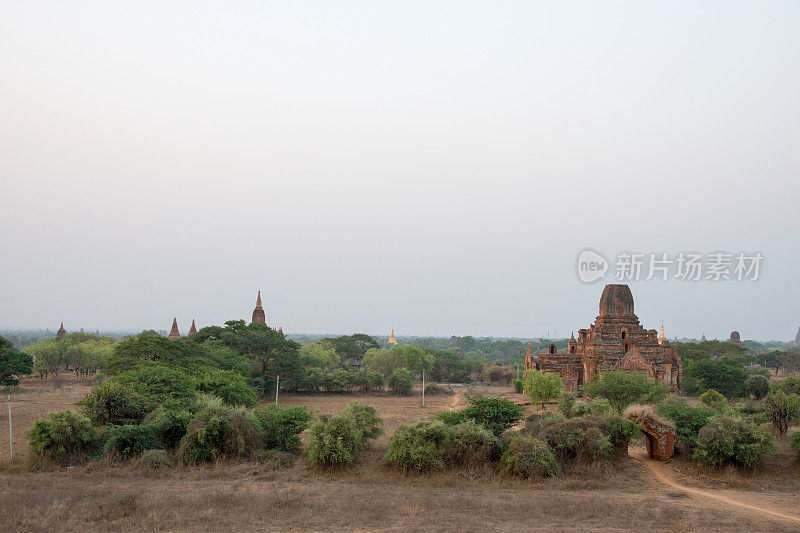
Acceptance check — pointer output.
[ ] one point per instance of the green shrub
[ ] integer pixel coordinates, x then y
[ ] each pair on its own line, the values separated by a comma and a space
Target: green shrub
714, 400
469, 444
338, 381
794, 441
170, 424
783, 409
227, 384
433, 389
757, 385
732, 442
496, 414
583, 438
790, 385
217, 433
519, 386
541, 387
430, 446
366, 419
529, 457
688, 421
67, 438
749, 410
400, 382
566, 403
450, 418
155, 459
417, 447
369, 381
129, 440
281, 426
334, 440
111, 403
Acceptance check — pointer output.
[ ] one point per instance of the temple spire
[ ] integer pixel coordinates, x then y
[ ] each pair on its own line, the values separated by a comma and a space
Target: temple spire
662, 337
193, 329
258, 313
61, 332
392, 340
174, 333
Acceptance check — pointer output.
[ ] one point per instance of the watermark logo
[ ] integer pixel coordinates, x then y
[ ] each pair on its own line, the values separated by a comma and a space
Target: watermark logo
591, 266
683, 266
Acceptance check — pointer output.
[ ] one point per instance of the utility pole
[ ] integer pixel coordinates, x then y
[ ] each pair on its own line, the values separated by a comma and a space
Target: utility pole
277, 385
423, 389
10, 429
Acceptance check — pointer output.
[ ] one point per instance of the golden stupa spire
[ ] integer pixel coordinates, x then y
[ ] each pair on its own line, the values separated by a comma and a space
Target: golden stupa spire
662, 337
392, 340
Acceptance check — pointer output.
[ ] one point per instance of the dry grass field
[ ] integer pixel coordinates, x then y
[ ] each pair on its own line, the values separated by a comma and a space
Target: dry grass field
292, 495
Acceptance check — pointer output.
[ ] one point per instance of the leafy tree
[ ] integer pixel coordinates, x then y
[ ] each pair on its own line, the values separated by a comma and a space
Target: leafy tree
757, 385
495, 414
320, 355
778, 359
270, 352
13, 363
697, 351
384, 361
351, 347
725, 375
783, 409
400, 382
541, 387
622, 389
48, 355
227, 384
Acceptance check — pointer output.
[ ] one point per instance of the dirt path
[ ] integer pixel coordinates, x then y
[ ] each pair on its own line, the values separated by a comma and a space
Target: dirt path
660, 471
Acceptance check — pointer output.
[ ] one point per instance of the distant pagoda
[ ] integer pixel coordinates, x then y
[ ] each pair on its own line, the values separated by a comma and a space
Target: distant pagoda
61, 332
174, 333
392, 340
192, 330
258, 313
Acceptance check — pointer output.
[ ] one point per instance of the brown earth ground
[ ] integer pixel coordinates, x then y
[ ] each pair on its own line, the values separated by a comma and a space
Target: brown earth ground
633, 495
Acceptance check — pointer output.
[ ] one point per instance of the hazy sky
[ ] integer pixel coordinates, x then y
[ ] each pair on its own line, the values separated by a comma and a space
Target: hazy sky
434, 167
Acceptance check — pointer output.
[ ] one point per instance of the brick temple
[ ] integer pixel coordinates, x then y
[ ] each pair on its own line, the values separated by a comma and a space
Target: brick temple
615, 342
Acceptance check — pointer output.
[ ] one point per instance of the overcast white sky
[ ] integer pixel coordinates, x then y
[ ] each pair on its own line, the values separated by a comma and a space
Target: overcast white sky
429, 166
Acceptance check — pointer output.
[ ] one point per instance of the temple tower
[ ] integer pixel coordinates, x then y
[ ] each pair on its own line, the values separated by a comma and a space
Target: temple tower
192, 330
258, 313
61, 332
174, 333
392, 340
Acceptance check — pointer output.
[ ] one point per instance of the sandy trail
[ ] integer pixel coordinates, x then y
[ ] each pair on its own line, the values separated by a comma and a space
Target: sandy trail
660, 471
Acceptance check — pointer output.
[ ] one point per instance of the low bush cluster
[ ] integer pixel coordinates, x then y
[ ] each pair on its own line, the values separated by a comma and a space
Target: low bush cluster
317, 379
337, 439
528, 457
431, 446
66, 438
733, 442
